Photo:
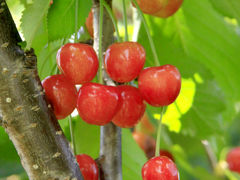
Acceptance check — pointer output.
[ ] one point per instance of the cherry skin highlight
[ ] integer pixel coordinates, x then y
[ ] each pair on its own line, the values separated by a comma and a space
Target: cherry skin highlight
150, 6
78, 62
124, 61
97, 104
233, 159
61, 93
131, 107
89, 23
171, 7
88, 167
161, 85
161, 168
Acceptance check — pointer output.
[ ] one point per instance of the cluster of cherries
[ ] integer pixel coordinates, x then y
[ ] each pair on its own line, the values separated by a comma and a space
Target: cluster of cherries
100, 104
124, 105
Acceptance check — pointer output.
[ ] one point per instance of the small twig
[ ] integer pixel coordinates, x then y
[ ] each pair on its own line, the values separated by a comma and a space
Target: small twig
211, 156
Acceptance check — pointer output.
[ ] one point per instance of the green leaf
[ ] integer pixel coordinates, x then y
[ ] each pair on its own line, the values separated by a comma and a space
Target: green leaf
228, 8
87, 138
32, 20
61, 17
9, 160
47, 64
200, 43
133, 158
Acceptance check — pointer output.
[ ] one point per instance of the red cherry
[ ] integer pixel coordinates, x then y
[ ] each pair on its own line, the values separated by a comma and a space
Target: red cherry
61, 93
169, 9
124, 61
89, 23
150, 6
97, 104
233, 159
78, 62
161, 85
131, 107
161, 168
88, 167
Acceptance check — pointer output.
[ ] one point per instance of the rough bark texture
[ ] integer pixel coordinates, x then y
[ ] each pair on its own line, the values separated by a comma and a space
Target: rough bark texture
110, 139
26, 116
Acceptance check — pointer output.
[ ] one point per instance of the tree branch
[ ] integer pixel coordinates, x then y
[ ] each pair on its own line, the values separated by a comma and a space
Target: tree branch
26, 116
110, 139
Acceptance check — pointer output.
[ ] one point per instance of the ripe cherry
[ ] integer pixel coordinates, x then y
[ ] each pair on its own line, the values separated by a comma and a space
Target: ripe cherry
88, 167
131, 107
233, 159
161, 85
150, 6
161, 168
97, 104
78, 62
89, 23
170, 7
124, 61
61, 93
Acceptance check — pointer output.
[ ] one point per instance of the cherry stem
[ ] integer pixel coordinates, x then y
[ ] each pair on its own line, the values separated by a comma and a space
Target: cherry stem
157, 150
113, 19
125, 20
100, 77
71, 134
153, 48
76, 22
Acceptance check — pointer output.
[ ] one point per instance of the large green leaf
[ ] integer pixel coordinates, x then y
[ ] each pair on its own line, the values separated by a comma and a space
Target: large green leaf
47, 64
9, 160
61, 17
32, 20
133, 157
199, 42
228, 7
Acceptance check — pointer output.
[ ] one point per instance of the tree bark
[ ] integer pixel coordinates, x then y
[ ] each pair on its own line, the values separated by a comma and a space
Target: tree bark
110, 138
27, 117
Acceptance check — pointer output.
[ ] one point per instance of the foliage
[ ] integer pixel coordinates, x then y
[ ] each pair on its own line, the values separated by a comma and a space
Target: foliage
202, 39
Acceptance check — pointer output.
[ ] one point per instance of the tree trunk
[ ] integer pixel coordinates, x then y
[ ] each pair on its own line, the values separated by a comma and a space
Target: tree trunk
26, 115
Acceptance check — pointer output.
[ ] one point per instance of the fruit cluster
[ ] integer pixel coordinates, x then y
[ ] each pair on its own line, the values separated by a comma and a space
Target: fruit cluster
100, 104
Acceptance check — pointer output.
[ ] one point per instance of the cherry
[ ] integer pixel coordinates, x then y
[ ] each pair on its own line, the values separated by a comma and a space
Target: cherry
89, 23
161, 168
78, 62
131, 107
171, 6
150, 6
124, 61
233, 159
61, 93
97, 104
88, 167
161, 85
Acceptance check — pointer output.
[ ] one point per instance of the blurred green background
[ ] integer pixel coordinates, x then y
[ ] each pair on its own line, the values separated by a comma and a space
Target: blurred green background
202, 39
